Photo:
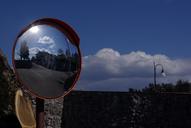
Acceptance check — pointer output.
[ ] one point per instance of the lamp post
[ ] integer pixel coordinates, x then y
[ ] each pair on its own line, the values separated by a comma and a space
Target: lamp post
162, 71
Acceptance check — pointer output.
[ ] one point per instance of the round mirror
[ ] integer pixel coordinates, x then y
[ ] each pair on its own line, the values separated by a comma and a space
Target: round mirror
47, 59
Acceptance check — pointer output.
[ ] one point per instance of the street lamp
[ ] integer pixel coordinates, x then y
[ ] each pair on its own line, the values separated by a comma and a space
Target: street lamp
162, 71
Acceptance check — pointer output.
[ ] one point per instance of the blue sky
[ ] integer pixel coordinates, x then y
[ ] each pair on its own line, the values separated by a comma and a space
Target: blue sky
151, 26
154, 26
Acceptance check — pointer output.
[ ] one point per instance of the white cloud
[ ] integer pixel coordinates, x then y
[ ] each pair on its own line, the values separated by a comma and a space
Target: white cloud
109, 70
35, 50
47, 41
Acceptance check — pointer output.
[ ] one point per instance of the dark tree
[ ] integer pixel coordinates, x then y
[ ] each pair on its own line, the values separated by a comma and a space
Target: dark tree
60, 60
68, 54
182, 86
60, 52
24, 51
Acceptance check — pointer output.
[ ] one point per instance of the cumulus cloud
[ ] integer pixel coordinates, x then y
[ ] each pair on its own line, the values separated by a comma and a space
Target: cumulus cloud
35, 50
110, 70
47, 41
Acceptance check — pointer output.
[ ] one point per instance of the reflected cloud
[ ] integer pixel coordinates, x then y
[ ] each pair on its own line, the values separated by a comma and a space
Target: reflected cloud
35, 50
47, 41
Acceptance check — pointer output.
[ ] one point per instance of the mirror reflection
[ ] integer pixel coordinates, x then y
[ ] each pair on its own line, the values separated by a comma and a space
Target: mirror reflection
46, 61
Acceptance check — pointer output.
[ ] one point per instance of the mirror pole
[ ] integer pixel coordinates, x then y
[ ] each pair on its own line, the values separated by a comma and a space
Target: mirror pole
40, 113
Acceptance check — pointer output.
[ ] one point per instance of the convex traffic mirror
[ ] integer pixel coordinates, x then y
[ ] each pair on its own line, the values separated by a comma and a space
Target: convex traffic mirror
47, 58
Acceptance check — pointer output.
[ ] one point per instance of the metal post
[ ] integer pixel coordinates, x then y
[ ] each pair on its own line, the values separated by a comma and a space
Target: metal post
155, 67
40, 113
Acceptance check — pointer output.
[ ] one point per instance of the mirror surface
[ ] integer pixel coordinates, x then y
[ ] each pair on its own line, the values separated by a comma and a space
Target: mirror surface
46, 61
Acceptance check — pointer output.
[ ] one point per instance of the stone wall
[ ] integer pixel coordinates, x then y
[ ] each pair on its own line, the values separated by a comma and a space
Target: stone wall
53, 110
126, 110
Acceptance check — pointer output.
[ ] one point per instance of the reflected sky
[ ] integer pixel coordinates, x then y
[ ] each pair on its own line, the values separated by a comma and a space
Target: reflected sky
44, 38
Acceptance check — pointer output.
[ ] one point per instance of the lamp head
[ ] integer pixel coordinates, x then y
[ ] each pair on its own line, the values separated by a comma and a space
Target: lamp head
163, 73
